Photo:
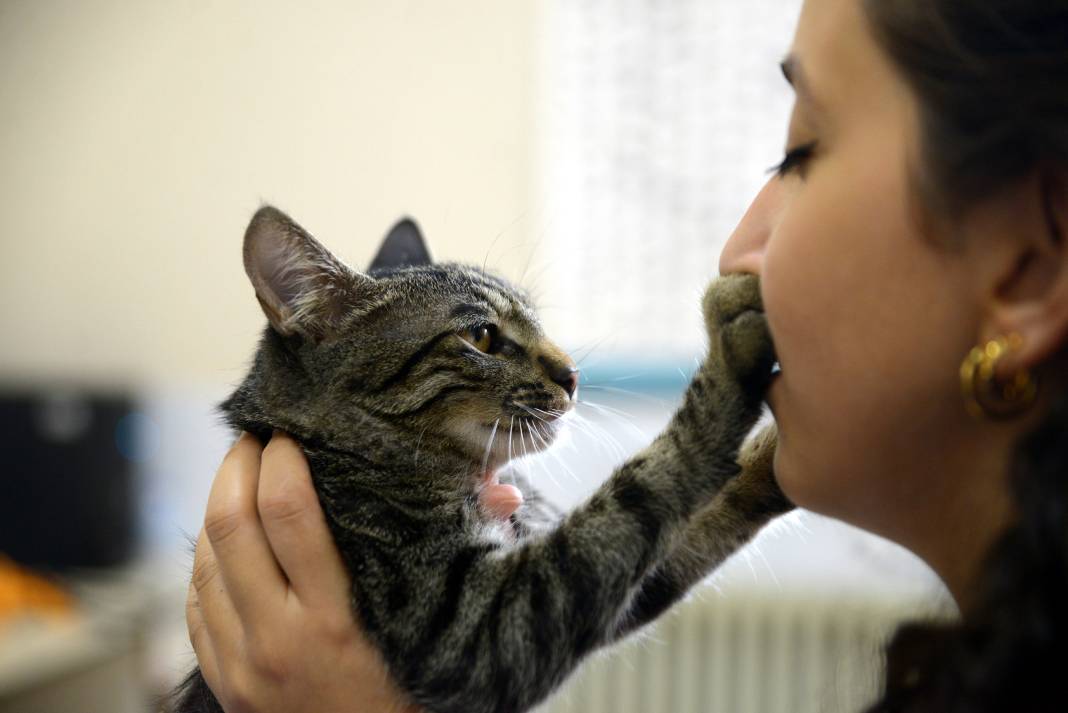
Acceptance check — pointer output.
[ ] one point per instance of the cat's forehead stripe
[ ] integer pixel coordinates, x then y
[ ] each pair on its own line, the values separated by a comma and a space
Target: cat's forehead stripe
468, 310
501, 304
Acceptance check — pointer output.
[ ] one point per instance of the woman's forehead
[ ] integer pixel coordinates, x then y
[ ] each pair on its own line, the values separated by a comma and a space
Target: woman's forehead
835, 63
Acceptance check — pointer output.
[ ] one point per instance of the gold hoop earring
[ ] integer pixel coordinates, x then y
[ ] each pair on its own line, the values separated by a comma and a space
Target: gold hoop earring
983, 395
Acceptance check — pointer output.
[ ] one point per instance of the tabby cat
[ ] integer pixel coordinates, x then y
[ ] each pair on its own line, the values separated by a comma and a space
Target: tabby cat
409, 385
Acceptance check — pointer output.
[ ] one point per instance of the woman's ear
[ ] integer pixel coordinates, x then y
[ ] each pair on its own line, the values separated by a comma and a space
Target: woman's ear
302, 288
1030, 292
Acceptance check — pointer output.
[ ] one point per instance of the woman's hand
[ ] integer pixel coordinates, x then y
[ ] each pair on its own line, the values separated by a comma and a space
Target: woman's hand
269, 610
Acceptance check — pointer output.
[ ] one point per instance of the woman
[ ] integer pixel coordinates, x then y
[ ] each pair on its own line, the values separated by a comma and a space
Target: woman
915, 279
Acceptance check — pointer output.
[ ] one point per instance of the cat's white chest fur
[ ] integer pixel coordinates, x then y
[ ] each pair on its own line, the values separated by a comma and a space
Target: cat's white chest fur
497, 532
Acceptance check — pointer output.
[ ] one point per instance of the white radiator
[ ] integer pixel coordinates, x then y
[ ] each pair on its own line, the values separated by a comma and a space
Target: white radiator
765, 653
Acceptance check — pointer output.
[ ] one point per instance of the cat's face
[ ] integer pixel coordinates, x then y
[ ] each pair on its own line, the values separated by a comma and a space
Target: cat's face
444, 352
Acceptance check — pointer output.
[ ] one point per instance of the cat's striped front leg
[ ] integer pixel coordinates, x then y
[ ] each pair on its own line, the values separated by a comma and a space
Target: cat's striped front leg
734, 516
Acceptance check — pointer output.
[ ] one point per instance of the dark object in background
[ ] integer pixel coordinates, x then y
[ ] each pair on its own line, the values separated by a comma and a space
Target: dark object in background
66, 489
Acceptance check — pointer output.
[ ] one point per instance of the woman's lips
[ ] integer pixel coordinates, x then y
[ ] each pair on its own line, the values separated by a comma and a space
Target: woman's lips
776, 374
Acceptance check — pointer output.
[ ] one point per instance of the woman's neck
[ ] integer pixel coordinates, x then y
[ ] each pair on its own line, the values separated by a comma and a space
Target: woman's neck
970, 511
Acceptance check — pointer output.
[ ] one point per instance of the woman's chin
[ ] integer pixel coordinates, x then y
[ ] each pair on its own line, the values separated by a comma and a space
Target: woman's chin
797, 491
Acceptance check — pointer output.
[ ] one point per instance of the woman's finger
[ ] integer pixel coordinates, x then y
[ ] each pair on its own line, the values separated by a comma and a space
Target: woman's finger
200, 638
253, 580
221, 623
296, 528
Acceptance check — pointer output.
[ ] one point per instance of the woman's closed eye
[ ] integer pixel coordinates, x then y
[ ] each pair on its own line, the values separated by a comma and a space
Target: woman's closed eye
795, 160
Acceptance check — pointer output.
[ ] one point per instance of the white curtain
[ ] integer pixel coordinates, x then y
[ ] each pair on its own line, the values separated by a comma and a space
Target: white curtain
660, 118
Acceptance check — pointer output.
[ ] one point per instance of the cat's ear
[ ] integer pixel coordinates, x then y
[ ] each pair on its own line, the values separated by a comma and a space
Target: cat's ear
302, 288
404, 246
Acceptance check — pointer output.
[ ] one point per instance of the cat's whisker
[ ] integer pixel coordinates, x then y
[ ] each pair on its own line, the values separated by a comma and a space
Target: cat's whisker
542, 426
523, 440
622, 417
537, 413
748, 559
552, 472
616, 414
541, 461
580, 424
584, 345
529, 410
489, 445
552, 414
507, 473
536, 435
418, 442
771, 570
609, 409
540, 272
530, 259
533, 427
617, 448
527, 462
599, 436
511, 423
489, 250
579, 360
562, 464
627, 392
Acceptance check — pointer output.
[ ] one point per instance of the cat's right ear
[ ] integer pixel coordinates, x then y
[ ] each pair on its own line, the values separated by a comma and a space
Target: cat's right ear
302, 288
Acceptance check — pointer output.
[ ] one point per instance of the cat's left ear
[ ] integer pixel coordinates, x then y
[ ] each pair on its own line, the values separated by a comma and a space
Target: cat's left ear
302, 288
404, 246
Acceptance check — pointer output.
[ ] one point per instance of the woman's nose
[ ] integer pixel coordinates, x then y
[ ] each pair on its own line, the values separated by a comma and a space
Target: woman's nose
744, 251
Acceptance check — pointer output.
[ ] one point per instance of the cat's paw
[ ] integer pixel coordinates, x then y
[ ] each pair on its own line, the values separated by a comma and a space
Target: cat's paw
755, 491
739, 340
727, 297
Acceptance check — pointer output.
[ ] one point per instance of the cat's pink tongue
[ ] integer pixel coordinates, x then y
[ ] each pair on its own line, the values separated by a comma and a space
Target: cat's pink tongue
499, 500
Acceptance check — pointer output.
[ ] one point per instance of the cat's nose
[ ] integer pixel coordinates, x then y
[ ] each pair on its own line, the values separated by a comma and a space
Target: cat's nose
564, 374
569, 380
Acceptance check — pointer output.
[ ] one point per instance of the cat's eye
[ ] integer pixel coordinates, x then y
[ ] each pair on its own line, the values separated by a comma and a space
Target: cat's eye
483, 337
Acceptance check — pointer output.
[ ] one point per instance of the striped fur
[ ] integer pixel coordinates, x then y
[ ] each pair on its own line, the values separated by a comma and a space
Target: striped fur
394, 413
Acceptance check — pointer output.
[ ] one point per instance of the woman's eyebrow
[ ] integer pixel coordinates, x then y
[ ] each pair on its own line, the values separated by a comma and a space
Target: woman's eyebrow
796, 77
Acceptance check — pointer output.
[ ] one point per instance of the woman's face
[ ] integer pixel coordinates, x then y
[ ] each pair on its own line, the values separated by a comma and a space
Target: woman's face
870, 320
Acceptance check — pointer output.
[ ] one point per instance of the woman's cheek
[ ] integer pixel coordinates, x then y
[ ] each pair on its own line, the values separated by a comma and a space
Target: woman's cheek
776, 282
792, 293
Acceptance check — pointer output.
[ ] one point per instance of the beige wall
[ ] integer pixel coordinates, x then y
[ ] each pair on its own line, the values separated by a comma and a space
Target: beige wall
136, 139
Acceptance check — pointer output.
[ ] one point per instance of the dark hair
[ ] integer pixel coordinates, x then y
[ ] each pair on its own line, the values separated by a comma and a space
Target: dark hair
991, 79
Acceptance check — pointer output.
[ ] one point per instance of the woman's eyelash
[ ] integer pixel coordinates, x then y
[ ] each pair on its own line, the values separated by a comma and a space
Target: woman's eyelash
795, 159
